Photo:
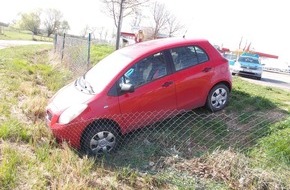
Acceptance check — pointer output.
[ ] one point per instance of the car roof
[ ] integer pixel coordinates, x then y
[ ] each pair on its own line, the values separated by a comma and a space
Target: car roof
147, 47
250, 55
247, 56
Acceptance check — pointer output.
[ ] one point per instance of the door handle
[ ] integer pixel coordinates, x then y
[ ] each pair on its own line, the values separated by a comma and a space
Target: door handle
207, 69
166, 84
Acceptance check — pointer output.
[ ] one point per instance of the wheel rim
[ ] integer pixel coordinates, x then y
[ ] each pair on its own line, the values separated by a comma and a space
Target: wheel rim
219, 98
102, 142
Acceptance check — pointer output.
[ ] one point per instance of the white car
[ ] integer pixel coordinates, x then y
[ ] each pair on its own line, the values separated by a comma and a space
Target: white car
248, 65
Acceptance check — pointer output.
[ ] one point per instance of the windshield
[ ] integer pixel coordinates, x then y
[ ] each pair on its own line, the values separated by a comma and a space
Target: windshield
102, 73
249, 60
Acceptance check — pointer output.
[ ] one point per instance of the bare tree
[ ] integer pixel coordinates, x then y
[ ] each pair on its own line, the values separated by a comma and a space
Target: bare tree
118, 9
85, 31
137, 19
52, 21
160, 17
92, 31
106, 35
100, 31
174, 26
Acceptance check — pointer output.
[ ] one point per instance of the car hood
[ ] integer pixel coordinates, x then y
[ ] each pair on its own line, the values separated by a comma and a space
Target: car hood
67, 96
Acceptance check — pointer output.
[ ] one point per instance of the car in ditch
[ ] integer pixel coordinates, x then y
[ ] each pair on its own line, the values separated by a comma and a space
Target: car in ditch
136, 86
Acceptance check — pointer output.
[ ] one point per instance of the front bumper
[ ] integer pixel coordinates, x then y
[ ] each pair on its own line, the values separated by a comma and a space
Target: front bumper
248, 72
70, 133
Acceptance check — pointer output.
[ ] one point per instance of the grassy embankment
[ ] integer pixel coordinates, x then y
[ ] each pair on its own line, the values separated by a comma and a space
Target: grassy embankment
30, 158
13, 34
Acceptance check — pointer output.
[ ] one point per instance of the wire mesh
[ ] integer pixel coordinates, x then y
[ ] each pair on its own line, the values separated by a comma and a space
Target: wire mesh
73, 52
191, 148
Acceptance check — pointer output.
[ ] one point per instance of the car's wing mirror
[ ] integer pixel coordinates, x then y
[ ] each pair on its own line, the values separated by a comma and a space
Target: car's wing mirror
128, 87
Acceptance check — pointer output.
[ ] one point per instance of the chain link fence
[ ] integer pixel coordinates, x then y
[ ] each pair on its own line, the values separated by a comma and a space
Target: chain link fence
232, 149
73, 52
192, 149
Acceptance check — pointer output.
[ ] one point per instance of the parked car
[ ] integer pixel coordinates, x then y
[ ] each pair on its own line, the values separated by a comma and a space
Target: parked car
248, 64
136, 86
232, 58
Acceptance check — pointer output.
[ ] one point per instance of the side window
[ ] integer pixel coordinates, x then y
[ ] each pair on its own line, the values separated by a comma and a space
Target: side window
146, 70
201, 55
184, 57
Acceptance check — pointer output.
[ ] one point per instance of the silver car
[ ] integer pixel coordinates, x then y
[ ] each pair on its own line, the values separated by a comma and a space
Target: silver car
249, 65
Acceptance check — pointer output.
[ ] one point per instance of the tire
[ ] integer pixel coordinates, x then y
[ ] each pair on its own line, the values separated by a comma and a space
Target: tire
218, 98
100, 139
259, 78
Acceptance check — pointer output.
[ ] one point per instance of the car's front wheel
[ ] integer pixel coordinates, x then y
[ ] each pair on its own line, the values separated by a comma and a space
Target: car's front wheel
100, 139
218, 98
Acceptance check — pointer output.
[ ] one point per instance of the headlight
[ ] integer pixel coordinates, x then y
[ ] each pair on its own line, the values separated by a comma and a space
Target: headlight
71, 113
237, 65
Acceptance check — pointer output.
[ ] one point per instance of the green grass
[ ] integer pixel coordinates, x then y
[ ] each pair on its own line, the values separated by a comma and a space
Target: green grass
12, 34
10, 160
248, 139
98, 52
254, 97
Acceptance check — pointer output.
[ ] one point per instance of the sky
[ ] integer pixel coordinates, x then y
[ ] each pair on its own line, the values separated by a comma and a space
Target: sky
264, 24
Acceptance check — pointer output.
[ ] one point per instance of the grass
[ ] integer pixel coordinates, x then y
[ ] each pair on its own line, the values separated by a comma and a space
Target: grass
10, 159
98, 52
27, 81
13, 34
245, 146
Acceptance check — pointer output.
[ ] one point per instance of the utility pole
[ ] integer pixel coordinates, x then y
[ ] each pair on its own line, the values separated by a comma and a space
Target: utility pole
119, 25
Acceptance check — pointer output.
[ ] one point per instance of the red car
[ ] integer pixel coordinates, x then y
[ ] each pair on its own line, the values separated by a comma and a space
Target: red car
133, 87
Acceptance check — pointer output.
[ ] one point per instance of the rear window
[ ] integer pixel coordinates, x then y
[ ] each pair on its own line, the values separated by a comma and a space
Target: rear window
184, 57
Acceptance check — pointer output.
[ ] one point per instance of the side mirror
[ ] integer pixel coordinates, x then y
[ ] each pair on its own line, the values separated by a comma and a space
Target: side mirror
127, 87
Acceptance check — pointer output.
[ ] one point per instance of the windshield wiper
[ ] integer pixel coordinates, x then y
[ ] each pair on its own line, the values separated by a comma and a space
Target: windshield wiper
84, 85
88, 85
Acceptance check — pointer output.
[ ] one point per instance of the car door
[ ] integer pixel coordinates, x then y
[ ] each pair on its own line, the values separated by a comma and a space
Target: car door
193, 73
154, 96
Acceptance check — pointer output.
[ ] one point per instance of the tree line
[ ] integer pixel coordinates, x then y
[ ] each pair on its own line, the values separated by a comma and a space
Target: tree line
48, 21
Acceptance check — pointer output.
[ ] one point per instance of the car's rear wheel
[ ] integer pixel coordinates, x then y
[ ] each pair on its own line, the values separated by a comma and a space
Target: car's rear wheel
100, 139
218, 98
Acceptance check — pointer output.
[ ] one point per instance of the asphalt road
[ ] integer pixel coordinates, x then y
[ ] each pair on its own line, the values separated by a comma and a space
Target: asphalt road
11, 43
272, 79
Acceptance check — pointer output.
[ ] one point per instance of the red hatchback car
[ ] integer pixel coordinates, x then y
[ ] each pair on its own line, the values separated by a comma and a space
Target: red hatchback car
134, 86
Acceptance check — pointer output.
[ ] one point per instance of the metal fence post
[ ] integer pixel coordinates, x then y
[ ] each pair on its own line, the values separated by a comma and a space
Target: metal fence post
55, 42
63, 44
89, 50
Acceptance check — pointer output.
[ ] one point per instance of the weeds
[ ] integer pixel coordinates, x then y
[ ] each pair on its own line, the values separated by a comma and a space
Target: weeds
10, 159
244, 147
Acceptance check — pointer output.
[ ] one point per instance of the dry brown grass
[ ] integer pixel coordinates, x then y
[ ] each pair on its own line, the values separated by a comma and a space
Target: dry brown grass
233, 169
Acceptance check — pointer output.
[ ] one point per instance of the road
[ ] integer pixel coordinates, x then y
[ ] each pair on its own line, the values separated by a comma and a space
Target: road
272, 79
11, 43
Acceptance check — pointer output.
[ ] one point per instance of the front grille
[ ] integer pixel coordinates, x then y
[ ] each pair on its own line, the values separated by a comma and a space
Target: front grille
251, 68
